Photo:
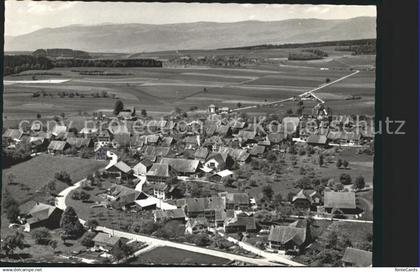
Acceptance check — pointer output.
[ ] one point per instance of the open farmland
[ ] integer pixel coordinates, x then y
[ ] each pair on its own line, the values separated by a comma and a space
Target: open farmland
34, 174
174, 256
160, 90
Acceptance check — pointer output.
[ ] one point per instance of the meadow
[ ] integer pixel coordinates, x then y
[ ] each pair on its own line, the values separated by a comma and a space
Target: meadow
160, 90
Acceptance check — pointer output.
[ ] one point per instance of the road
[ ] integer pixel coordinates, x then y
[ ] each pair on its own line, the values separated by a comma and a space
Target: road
155, 242
266, 255
158, 242
307, 93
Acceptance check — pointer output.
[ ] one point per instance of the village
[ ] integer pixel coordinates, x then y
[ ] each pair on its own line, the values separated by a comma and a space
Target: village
259, 191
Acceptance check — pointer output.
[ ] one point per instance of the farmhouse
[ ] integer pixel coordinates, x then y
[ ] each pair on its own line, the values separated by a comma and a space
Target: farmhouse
219, 161
356, 257
88, 132
106, 241
192, 142
201, 154
306, 199
196, 225
289, 238
344, 201
236, 201
163, 216
142, 167
78, 143
221, 176
43, 215
319, 140
160, 172
119, 170
257, 150
240, 223
57, 147
11, 135
182, 166
121, 196
204, 207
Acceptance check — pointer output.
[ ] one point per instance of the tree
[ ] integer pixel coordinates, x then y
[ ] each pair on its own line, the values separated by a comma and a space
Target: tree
289, 112
271, 156
41, 236
345, 164
13, 212
118, 107
13, 241
87, 239
229, 182
238, 105
327, 80
70, 223
10, 178
63, 176
91, 224
321, 160
278, 200
304, 183
339, 187
339, 163
143, 113
38, 116
201, 240
268, 191
122, 250
345, 179
359, 183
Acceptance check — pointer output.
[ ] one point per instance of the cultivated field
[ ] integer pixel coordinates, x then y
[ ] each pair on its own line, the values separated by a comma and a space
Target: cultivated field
160, 90
174, 256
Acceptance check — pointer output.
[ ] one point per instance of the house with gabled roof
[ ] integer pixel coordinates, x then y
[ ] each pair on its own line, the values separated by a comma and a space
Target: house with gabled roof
120, 170
183, 167
204, 207
318, 140
291, 238
306, 199
166, 215
201, 154
224, 131
257, 151
354, 257
161, 172
121, 196
106, 241
240, 223
141, 168
57, 147
12, 135
219, 161
43, 215
344, 201
236, 201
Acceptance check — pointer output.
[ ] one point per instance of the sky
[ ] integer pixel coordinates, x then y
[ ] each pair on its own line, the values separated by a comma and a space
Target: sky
26, 16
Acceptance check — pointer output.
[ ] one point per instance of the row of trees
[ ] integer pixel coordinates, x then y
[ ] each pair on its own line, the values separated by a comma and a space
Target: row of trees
14, 64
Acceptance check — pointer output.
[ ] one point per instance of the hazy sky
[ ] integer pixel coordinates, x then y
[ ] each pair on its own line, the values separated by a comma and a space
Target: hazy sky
27, 16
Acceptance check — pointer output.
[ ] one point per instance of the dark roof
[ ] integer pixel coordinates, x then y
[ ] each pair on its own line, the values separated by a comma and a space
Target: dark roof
205, 203
154, 151
121, 166
239, 220
182, 165
237, 198
78, 142
57, 145
317, 139
122, 138
106, 239
159, 170
201, 153
167, 141
247, 135
124, 194
13, 133
340, 200
170, 214
257, 150
237, 154
285, 234
222, 130
40, 212
210, 130
357, 257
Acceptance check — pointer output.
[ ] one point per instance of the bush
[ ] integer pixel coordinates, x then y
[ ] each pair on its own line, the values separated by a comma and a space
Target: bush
13, 213
359, 183
87, 239
345, 179
63, 176
201, 240
41, 236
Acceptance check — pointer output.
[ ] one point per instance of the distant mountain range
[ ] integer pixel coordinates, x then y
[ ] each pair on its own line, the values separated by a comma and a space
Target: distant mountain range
132, 38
